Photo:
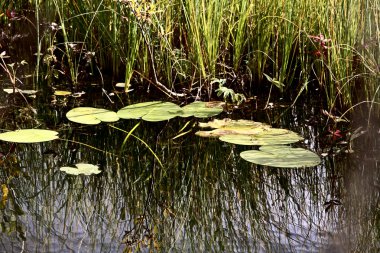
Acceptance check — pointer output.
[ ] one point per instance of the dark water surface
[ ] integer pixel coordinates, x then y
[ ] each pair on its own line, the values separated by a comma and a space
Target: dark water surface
204, 199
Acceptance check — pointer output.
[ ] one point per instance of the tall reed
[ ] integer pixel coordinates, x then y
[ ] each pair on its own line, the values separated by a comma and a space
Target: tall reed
176, 44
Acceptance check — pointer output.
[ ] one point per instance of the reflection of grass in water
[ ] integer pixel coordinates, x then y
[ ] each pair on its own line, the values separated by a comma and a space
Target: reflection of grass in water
207, 199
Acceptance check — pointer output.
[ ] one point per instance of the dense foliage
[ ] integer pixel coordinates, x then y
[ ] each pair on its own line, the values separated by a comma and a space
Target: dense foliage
185, 47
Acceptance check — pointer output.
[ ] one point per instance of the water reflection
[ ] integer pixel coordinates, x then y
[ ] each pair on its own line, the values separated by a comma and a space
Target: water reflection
204, 199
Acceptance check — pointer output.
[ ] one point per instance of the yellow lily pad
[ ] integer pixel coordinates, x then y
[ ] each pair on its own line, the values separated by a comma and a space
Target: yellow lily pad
81, 168
232, 127
62, 93
270, 136
29, 135
281, 156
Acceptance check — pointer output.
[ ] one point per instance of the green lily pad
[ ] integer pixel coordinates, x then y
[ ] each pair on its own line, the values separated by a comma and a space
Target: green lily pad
91, 115
81, 168
281, 156
270, 136
29, 135
201, 109
150, 111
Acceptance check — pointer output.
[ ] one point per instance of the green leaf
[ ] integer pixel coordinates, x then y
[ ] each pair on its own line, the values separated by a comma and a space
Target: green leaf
151, 111
29, 135
81, 168
137, 111
281, 156
270, 136
277, 83
200, 109
91, 116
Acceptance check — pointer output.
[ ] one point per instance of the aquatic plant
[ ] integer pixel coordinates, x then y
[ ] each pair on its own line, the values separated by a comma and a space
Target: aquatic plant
271, 136
200, 109
161, 111
273, 151
150, 111
281, 156
10, 69
181, 46
29, 135
91, 115
227, 93
81, 168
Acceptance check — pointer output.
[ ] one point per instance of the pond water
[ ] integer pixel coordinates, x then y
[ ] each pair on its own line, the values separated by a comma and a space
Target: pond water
205, 198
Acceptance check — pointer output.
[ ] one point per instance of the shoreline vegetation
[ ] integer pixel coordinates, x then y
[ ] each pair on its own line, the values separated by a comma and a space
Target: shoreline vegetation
162, 186
201, 48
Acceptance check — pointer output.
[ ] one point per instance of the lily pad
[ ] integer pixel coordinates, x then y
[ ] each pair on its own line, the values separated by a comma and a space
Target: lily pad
62, 93
232, 127
29, 135
150, 111
200, 109
91, 115
230, 131
26, 92
81, 168
232, 124
120, 85
281, 156
270, 136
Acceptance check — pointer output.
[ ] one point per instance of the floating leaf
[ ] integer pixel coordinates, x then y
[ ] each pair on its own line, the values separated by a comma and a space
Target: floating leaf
91, 116
270, 136
29, 135
150, 111
81, 168
230, 131
281, 156
120, 85
137, 111
233, 124
26, 92
200, 109
62, 93
232, 127
78, 94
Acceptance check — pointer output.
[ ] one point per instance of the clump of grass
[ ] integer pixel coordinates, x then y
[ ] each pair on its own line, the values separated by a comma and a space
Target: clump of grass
183, 45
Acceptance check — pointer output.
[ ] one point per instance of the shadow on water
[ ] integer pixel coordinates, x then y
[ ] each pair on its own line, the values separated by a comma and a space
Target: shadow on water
204, 199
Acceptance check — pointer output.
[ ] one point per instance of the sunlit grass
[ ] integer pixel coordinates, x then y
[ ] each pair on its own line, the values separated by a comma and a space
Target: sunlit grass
186, 44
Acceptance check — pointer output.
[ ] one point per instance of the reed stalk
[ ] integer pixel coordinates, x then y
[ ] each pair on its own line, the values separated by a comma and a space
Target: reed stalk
176, 44
60, 9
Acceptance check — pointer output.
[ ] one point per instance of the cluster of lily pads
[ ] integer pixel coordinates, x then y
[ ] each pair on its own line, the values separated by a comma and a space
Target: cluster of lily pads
149, 111
242, 132
273, 151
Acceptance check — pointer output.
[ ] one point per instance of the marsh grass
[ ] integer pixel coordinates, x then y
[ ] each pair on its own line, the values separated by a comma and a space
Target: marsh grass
181, 46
